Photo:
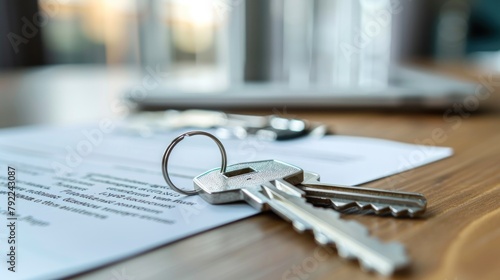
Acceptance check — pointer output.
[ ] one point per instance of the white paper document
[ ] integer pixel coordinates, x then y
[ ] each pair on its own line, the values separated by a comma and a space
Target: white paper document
77, 198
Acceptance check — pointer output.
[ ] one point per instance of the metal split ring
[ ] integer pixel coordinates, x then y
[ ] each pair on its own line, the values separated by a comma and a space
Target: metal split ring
168, 151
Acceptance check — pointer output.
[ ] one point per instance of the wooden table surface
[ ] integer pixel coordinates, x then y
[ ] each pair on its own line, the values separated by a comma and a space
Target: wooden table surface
457, 239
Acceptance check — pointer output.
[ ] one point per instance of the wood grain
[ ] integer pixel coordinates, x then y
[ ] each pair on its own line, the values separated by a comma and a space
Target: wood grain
457, 239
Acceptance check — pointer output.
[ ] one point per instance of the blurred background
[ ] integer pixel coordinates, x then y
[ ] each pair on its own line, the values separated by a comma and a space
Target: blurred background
210, 45
277, 35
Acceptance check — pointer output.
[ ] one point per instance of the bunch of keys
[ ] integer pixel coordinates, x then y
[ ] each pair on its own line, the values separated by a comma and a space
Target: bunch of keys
290, 192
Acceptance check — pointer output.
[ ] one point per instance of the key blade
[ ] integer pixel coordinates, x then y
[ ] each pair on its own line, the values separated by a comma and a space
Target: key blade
351, 238
381, 203
397, 203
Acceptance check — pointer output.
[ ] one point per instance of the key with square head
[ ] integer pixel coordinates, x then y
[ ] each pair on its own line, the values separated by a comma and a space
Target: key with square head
269, 185
397, 203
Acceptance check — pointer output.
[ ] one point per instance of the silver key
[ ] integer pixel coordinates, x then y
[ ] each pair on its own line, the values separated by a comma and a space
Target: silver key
399, 204
269, 185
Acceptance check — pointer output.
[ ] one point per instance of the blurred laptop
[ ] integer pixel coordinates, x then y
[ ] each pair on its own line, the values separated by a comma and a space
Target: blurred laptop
407, 88
268, 54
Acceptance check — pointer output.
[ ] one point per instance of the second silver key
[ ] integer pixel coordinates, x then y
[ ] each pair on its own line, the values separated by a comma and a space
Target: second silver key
397, 203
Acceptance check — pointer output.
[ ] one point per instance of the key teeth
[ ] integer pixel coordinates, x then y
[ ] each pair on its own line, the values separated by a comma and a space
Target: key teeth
369, 268
397, 255
321, 238
397, 251
366, 267
300, 226
345, 253
396, 248
394, 256
396, 211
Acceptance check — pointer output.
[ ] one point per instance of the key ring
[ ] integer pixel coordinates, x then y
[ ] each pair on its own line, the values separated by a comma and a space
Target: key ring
168, 151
